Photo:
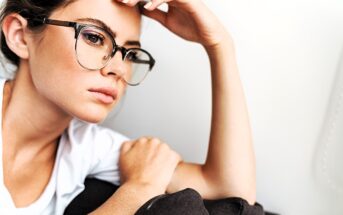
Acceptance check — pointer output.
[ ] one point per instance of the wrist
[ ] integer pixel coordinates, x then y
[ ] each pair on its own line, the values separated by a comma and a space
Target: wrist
225, 45
128, 199
144, 188
224, 41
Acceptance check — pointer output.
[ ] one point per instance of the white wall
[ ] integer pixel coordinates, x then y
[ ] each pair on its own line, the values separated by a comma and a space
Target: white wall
288, 54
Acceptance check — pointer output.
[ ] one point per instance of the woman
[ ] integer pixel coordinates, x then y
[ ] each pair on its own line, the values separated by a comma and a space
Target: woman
75, 58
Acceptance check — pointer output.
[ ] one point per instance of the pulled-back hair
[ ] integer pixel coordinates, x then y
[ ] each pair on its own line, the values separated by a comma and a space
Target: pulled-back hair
26, 8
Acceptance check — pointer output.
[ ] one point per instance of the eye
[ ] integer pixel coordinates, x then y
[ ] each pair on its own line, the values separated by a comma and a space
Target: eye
93, 38
137, 56
132, 56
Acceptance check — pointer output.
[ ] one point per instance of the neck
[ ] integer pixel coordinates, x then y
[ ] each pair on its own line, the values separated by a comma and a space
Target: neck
29, 119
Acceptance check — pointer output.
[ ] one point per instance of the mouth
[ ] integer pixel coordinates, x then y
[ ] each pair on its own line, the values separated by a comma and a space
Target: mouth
104, 95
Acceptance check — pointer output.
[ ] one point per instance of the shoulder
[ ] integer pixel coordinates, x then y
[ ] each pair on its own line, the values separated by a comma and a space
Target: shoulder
85, 134
90, 150
86, 150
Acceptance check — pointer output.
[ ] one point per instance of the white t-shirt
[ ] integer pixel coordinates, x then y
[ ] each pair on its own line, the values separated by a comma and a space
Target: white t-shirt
84, 150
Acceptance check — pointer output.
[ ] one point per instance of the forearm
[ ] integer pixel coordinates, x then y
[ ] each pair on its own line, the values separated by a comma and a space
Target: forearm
230, 162
229, 169
127, 200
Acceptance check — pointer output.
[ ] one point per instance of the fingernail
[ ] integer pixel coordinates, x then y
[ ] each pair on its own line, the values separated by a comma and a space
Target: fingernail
125, 1
148, 5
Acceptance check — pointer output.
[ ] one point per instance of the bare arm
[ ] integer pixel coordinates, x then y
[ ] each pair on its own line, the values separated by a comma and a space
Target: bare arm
229, 169
146, 168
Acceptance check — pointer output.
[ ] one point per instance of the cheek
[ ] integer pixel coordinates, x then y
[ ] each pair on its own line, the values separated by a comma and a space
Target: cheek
57, 76
121, 93
55, 51
53, 67
53, 57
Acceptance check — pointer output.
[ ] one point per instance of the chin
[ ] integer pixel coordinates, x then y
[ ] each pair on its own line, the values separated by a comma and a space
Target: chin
92, 116
93, 120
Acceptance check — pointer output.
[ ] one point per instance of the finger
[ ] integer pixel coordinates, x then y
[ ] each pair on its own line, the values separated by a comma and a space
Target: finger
152, 5
178, 158
142, 139
157, 15
154, 141
146, 142
130, 2
126, 147
146, 3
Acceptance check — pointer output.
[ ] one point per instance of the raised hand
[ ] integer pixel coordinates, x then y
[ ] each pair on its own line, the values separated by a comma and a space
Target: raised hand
189, 19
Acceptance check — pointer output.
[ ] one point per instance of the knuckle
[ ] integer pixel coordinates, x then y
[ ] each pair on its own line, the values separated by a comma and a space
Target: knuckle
154, 144
176, 156
126, 144
142, 140
155, 140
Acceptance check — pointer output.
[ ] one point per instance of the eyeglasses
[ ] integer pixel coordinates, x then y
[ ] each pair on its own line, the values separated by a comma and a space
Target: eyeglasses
95, 47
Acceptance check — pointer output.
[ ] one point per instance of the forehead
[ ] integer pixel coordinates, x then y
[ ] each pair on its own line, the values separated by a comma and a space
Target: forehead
124, 21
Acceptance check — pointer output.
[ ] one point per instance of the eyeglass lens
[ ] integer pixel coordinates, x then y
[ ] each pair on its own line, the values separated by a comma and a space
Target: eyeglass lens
94, 48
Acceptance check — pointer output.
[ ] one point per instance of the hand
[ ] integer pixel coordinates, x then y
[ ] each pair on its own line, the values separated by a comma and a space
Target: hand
189, 19
148, 161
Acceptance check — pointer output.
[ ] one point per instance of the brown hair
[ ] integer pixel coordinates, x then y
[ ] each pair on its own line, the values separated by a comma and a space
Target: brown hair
27, 8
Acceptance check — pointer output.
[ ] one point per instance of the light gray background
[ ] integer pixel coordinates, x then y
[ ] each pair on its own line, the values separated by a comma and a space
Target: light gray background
288, 54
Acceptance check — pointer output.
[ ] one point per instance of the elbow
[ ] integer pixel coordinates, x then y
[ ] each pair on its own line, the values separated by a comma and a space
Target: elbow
250, 198
247, 193
224, 185
222, 189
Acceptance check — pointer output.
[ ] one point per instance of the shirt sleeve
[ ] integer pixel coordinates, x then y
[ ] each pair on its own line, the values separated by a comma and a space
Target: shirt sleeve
106, 146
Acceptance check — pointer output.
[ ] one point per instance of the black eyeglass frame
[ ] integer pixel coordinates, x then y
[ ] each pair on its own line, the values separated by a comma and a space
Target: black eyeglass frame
79, 26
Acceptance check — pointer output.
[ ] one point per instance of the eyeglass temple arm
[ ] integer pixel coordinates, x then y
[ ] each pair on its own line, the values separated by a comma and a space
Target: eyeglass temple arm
53, 22
58, 22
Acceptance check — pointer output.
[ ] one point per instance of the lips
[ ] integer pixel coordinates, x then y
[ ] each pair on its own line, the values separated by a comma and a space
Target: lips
105, 95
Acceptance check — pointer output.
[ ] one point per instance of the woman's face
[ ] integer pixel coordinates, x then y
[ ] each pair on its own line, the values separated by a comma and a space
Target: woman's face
56, 73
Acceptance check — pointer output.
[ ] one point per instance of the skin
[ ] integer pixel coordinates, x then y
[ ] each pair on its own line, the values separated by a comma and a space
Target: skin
44, 98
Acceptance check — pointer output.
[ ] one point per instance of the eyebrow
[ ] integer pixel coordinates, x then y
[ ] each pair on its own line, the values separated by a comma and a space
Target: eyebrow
109, 30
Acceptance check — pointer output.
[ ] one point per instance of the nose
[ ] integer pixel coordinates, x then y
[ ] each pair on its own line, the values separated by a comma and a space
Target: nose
115, 67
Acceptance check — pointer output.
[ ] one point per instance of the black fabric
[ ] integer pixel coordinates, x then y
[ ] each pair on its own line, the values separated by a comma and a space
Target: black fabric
95, 194
185, 202
189, 202
233, 205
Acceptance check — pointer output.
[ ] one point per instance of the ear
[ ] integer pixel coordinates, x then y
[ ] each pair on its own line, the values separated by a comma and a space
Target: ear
14, 28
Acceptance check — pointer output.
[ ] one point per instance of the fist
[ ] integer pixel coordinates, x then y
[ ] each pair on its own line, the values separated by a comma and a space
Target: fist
148, 161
